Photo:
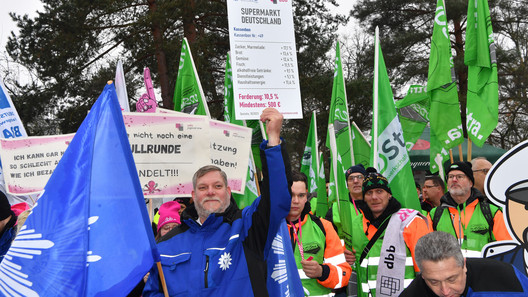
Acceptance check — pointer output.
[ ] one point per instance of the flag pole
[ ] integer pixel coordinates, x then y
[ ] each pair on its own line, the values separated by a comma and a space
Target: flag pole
460, 153
361, 133
333, 150
317, 143
198, 80
375, 105
451, 155
254, 167
469, 149
162, 279
352, 161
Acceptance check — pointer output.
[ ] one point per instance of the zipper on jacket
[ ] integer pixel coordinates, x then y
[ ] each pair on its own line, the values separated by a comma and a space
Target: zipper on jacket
206, 270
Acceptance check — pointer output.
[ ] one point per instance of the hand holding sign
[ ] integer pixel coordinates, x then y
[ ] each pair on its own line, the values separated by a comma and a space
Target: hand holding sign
273, 119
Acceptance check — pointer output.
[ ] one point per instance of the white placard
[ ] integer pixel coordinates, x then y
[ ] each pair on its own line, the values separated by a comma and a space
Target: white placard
167, 149
263, 58
29, 162
230, 148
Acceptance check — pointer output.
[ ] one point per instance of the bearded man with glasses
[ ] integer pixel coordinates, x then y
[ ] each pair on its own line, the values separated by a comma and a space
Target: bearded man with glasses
466, 213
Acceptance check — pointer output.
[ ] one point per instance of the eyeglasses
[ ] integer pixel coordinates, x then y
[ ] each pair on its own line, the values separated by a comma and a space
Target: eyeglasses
458, 176
485, 170
358, 177
430, 187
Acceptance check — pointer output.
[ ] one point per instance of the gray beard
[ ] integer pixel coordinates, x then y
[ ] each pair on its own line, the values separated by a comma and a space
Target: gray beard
204, 213
459, 192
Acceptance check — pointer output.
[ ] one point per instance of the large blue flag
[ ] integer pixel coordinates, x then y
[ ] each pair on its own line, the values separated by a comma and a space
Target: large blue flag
89, 233
283, 276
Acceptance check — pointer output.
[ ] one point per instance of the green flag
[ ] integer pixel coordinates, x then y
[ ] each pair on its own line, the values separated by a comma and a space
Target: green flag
413, 111
389, 155
322, 198
310, 167
338, 115
337, 191
229, 102
251, 190
444, 114
188, 94
361, 146
482, 112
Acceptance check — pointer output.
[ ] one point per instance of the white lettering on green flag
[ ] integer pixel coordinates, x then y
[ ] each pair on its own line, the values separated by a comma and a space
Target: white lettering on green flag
444, 113
388, 147
482, 112
188, 94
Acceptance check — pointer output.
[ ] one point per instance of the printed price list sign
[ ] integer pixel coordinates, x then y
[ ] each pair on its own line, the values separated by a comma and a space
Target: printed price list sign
263, 58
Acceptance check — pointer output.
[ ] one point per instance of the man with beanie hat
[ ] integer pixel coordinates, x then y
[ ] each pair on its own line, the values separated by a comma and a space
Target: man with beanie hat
354, 177
465, 212
7, 225
384, 236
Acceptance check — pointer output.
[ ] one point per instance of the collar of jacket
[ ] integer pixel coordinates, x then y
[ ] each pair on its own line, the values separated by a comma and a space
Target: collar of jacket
393, 206
190, 215
447, 200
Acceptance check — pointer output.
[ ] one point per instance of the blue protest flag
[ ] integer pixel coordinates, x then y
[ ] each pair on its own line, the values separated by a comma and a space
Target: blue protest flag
283, 276
89, 233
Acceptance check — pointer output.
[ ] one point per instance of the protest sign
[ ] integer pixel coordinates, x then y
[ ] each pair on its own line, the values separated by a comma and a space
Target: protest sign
264, 59
167, 149
230, 149
29, 162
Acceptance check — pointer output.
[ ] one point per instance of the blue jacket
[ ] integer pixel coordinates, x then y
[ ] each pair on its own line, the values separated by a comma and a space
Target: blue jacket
226, 255
7, 236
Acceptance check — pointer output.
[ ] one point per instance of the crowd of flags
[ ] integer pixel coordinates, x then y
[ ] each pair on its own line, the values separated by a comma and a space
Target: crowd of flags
94, 238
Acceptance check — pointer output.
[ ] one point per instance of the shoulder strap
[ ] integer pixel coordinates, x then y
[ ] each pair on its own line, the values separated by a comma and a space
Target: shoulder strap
317, 221
436, 218
374, 238
486, 211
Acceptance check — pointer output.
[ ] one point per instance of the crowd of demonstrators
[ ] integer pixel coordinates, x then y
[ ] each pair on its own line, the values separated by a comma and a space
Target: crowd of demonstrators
319, 253
210, 247
220, 250
465, 212
433, 190
388, 234
480, 167
445, 272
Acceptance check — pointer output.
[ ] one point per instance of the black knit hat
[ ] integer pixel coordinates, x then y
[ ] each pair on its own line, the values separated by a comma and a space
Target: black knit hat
375, 180
464, 167
5, 207
356, 168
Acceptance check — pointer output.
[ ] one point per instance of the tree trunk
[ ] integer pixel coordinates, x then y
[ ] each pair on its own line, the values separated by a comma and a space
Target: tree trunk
161, 59
462, 73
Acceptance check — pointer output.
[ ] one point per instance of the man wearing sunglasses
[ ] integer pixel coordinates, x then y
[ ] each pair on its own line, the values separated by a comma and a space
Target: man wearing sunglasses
466, 213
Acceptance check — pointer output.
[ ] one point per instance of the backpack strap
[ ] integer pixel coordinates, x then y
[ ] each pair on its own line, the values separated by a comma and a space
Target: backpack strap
486, 211
374, 238
436, 218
